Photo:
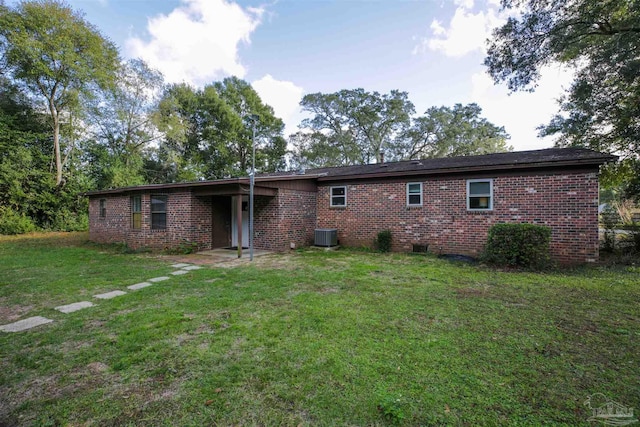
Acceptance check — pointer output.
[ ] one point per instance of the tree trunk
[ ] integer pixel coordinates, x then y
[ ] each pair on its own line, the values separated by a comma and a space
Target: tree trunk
56, 148
55, 117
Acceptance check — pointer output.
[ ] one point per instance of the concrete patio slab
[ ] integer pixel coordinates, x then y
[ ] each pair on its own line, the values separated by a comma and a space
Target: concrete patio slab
110, 295
179, 272
158, 279
192, 267
70, 308
180, 265
232, 254
139, 286
24, 324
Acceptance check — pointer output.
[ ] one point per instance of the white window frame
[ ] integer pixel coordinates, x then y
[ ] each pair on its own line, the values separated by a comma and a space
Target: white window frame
331, 196
489, 195
414, 194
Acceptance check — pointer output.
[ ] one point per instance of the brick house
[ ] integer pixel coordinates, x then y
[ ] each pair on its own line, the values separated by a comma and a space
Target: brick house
447, 203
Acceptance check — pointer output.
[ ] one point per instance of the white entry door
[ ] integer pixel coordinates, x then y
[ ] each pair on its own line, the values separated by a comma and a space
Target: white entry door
245, 221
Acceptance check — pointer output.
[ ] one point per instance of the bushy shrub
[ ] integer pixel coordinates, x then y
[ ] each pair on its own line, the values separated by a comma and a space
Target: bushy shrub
65, 220
518, 245
383, 241
183, 248
12, 222
609, 218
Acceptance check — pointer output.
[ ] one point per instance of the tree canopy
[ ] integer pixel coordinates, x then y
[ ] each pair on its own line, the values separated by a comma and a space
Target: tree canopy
121, 128
352, 127
449, 132
207, 134
600, 41
56, 55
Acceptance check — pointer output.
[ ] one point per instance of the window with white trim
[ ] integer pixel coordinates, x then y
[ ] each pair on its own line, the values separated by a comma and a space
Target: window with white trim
414, 194
338, 197
479, 194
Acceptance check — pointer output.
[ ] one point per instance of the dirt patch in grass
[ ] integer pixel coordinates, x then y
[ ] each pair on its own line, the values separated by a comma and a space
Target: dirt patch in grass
11, 313
53, 239
278, 262
97, 367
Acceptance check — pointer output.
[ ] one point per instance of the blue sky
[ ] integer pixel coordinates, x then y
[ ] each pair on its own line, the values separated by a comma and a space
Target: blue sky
431, 49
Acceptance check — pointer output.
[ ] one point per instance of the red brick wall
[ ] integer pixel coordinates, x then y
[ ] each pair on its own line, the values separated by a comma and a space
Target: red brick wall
188, 220
286, 219
114, 226
565, 201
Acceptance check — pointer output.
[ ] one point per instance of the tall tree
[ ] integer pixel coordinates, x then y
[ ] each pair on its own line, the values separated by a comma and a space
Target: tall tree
57, 56
448, 132
600, 41
245, 102
196, 124
352, 126
120, 118
23, 156
209, 130
26, 185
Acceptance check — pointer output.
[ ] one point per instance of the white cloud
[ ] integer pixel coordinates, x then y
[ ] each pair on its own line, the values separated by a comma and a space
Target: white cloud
465, 33
521, 112
284, 97
198, 41
437, 28
468, 4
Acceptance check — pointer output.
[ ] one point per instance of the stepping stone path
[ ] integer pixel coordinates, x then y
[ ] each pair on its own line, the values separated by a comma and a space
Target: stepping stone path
110, 295
32, 322
139, 286
24, 324
70, 308
179, 272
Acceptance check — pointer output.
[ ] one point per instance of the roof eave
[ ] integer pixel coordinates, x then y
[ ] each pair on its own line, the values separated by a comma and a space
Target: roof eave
198, 184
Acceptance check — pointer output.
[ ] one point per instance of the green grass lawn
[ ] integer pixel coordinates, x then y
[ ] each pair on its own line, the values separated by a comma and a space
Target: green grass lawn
310, 338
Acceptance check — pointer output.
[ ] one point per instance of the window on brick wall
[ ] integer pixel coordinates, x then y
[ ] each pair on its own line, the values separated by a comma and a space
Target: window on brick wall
103, 208
158, 212
414, 194
480, 194
136, 211
338, 197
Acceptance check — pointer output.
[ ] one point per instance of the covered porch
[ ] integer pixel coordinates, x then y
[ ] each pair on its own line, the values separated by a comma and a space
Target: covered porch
230, 205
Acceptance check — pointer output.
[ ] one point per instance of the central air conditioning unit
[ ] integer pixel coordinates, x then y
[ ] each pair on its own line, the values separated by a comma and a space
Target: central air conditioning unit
326, 237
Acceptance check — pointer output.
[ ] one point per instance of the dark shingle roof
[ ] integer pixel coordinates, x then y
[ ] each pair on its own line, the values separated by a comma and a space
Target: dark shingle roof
549, 157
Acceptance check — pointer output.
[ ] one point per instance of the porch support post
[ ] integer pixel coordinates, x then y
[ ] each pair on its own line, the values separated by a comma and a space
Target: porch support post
239, 223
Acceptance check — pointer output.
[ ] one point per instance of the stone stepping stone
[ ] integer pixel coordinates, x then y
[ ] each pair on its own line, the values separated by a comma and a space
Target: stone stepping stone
70, 308
158, 279
139, 286
110, 295
179, 272
192, 267
180, 265
25, 324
